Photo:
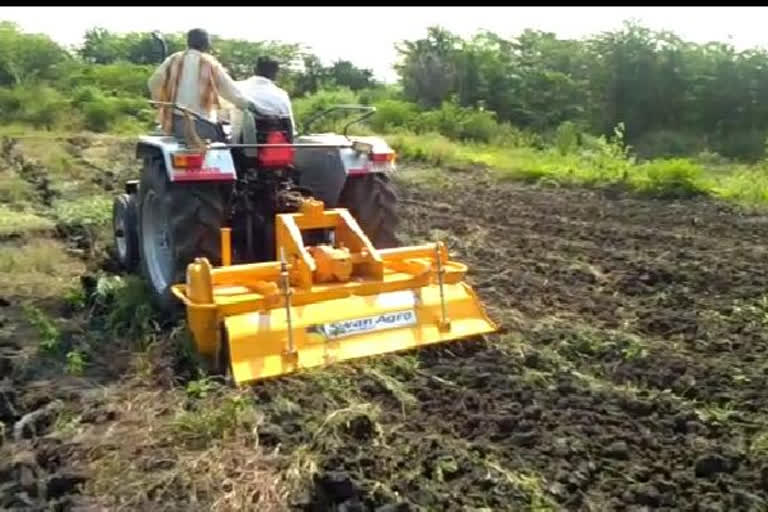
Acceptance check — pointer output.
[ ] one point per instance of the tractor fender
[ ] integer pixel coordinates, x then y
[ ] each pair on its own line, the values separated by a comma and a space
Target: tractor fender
325, 170
218, 164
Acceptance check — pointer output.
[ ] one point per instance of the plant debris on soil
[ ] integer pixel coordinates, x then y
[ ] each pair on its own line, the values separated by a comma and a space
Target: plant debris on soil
629, 374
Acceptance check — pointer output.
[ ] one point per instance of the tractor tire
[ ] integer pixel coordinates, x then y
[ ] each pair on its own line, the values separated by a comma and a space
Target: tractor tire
125, 229
178, 222
372, 201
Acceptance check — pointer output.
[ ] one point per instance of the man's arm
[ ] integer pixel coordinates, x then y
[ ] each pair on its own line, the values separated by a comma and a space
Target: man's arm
227, 87
155, 81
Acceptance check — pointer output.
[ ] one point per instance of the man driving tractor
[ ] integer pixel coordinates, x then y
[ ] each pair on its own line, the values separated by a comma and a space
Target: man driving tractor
262, 90
194, 79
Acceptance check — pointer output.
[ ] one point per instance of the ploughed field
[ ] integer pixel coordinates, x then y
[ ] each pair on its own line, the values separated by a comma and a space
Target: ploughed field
630, 373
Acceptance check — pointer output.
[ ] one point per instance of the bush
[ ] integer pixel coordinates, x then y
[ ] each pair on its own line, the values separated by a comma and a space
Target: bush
305, 108
100, 114
456, 122
478, 126
566, 138
391, 114
40, 106
743, 144
673, 178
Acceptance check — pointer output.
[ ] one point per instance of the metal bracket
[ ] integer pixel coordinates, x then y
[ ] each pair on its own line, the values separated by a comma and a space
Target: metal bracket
285, 280
445, 322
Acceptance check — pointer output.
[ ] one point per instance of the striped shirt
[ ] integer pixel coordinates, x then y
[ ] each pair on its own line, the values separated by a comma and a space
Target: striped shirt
192, 84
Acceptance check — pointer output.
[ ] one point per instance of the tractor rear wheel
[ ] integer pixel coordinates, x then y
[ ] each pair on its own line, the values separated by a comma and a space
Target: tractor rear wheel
372, 201
178, 222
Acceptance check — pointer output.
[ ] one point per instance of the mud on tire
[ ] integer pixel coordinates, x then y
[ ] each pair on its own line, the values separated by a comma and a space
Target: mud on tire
372, 201
177, 223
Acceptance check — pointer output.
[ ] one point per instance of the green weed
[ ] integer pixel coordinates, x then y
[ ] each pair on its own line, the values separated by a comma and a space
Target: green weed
214, 419
126, 303
75, 362
75, 298
46, 330
200, 388
66, 423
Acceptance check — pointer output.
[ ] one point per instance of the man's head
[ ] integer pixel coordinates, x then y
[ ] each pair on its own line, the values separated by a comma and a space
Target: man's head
267, 68
197, 39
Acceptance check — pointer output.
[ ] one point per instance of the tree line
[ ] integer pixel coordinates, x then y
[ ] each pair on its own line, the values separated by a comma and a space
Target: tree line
673, 97
670, 94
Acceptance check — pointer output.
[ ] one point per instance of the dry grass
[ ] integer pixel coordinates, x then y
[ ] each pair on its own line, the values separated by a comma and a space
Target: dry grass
40, 268
140, 463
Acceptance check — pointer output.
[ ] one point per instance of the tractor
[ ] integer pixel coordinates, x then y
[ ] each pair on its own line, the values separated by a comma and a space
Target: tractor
282, 247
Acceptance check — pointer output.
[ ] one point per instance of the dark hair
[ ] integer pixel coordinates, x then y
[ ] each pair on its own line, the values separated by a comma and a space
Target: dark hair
266, 67
197, 38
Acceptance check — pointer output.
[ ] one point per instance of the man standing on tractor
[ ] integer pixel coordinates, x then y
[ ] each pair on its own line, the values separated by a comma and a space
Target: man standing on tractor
264, 93
194, 79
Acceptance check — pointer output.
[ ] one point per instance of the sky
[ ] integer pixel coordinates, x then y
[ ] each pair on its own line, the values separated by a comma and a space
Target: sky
366, 35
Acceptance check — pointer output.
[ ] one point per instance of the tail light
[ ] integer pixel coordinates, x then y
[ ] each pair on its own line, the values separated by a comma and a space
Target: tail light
382, 157
276, 157
188, 160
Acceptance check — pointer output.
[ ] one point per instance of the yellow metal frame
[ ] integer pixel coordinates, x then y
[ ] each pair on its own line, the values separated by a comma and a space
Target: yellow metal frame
279, 318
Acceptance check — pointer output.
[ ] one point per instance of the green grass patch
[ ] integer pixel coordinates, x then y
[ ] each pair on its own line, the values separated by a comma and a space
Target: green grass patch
595, 162
84, 212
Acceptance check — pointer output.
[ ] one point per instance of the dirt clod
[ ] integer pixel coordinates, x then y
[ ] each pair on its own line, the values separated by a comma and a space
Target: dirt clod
712, 464
62, 484
617, 450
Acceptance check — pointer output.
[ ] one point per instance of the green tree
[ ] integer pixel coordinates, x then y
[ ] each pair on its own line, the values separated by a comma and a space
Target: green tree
27, 57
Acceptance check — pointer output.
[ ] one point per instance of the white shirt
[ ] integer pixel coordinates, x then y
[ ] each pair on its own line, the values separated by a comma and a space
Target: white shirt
268, 98
189, 92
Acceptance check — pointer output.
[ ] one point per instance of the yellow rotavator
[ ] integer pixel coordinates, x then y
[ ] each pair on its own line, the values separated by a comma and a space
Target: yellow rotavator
323, 304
